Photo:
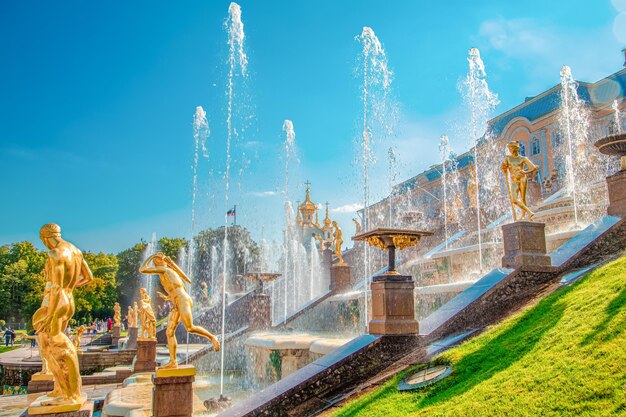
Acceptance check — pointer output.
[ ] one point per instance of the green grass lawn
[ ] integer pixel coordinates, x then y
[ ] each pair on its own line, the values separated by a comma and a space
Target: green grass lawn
8, 348
565, 356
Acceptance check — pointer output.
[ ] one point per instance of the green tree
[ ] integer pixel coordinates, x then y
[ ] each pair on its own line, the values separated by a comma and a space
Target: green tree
128, 277
21, 280
243, 255
97, 298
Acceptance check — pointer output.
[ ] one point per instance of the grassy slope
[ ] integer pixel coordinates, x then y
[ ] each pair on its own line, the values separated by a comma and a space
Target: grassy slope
565, 356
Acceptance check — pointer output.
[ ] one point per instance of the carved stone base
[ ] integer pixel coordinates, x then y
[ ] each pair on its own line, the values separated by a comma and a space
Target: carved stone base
616, 186
340, 278
173, 392
115, 335
84, 408
146, 356
524, 245
260, 312
393, 305
132, 338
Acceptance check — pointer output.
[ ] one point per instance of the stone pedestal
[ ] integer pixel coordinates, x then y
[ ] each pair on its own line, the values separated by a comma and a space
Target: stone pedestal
83, 409
115, 335
173, 392
393, 305
41, 383
340, 278
616, 186
260, 312
146, 356
132, 338
524, 245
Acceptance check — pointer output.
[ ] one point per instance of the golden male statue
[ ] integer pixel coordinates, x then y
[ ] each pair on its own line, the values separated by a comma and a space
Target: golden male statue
516, 169
65, 270
173, 281
338, 241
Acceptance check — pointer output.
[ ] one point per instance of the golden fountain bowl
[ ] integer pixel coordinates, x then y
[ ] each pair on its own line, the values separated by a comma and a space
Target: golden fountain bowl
385, 238
612, 145
260, 277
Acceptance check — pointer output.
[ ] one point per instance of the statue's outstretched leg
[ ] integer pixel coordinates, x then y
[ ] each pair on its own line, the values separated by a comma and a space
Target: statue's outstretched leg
187, 319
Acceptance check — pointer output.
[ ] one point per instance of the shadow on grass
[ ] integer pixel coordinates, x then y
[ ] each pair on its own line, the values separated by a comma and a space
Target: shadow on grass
610, 312
501, 352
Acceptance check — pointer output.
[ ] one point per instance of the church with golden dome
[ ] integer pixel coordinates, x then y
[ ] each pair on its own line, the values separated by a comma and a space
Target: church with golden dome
308, 222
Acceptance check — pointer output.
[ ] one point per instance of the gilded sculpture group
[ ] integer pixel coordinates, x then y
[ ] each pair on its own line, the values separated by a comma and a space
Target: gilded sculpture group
65, 270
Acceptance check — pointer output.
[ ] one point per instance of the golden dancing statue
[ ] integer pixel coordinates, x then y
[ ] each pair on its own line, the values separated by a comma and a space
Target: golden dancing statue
516, 176
65, 270
173, 281
338, 241
117, 315
146, 314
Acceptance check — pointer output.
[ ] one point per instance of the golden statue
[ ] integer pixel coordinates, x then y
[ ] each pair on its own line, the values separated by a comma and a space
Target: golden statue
77, 334
65, 269
173, 280
358, 226
472, 188
205, 291
338, 241
131, 317
117, 315
146, 314
516, 177
135, 314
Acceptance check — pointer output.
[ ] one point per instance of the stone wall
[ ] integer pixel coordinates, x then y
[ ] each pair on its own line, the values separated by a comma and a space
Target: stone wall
318, 384
91, 362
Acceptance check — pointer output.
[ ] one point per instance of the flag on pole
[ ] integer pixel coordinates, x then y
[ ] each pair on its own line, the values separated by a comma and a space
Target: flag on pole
233, 213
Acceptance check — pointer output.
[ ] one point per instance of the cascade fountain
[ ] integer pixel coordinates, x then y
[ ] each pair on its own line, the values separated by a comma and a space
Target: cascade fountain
582, 167
375, 90
481, 102
237, 61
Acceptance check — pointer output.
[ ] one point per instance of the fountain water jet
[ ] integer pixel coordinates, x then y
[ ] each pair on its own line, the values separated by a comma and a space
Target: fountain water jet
236, 60
375, 91
481, 102
617, 120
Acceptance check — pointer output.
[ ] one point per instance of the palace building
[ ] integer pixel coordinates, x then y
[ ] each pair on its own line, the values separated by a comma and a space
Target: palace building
535, 125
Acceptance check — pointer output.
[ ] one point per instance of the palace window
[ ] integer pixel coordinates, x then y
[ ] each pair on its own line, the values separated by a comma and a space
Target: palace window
522, 148
557, 138
536, 146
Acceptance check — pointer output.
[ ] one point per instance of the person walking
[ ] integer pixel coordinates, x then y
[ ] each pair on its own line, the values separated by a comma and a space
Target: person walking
7, 336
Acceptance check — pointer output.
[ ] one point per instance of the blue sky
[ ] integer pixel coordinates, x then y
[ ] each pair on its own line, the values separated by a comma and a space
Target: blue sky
97, 100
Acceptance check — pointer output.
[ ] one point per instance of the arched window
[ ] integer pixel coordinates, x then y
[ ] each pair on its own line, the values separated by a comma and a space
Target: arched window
536, 149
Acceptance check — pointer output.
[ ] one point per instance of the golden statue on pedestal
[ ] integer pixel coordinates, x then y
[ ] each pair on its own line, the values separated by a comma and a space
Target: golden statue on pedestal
117, 315
338, 241
78, 333
65, 270
173, 280
131, 317
146, 314
517, 169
